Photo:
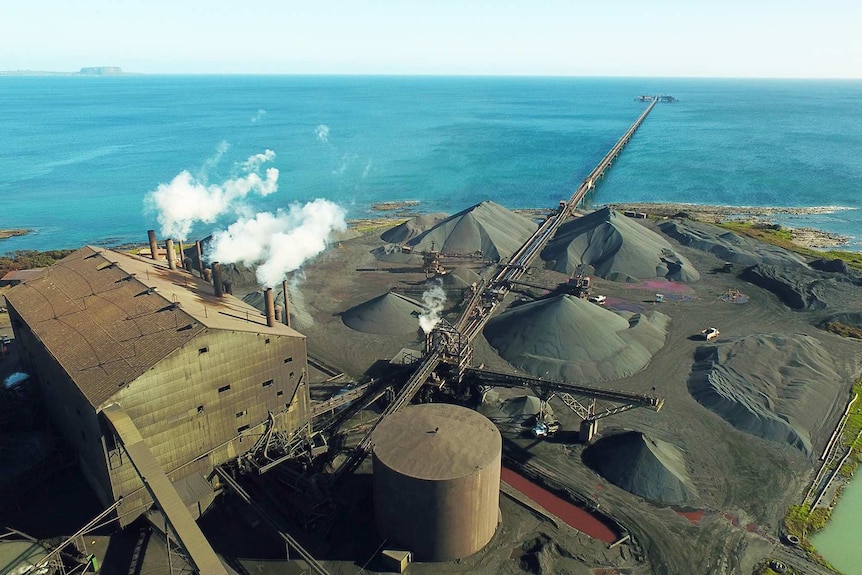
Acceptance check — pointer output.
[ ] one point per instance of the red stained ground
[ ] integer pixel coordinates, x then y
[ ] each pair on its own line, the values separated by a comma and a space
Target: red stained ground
693, 516
574, 516
660, 285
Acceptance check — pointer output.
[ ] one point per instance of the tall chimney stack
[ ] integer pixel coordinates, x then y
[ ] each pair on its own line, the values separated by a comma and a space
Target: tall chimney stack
154, 248
217, 281
182, 255
170, 254
200, 258
286, 303
269, 301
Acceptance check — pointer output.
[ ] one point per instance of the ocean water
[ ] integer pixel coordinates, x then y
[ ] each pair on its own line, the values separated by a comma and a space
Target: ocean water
79, 154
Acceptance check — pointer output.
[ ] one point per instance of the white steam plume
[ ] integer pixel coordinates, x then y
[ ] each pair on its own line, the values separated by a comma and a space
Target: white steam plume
259, 116
322, 132
279, 243
434, 299
186, 200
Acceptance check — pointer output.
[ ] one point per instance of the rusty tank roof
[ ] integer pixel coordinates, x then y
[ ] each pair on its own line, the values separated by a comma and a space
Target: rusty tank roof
437, 441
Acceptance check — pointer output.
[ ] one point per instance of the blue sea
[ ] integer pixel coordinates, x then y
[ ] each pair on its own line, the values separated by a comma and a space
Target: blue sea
79, 154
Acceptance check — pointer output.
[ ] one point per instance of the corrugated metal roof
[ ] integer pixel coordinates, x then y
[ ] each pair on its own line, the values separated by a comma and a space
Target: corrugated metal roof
22, 275
107, 317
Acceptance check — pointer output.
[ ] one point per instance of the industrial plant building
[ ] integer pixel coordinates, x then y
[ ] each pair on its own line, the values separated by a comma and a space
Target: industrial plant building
132, 356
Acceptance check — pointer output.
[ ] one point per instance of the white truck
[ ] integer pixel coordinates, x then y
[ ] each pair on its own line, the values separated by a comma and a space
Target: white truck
710, 333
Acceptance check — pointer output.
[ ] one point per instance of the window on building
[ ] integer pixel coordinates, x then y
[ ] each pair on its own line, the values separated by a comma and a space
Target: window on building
279, 393
291, 374
241, 429
267, 383
267, 340
288, 360
224, 388
241, 413
200, 409
203, 350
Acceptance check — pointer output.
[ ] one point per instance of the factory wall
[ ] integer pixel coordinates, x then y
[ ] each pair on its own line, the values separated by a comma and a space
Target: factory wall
70, 412
204, 404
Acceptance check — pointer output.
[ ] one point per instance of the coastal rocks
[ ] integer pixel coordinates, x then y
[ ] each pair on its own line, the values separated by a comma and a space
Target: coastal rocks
487, 228
618, 249
413, 227
726, 245
390, 313
568, 338
779, 388
647, 467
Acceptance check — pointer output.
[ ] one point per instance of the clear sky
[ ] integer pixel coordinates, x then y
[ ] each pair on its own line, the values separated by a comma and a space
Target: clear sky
735, 38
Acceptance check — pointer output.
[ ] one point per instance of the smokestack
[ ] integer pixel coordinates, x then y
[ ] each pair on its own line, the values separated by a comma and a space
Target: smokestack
278, 310
207, 275
200, 259
269, 301
217, 281
154, 249
170, 254
286, 303
182, 255
228, 287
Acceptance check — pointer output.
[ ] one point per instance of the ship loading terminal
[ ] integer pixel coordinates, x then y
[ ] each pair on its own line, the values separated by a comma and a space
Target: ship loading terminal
446, 364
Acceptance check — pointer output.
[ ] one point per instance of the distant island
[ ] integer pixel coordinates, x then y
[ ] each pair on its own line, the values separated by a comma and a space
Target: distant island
86, 71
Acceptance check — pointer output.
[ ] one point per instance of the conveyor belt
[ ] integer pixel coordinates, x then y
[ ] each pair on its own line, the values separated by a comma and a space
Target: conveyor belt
189, 536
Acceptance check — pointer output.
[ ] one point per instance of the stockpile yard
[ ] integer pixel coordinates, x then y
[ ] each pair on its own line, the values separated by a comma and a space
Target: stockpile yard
390, 313
646, 467
779, 388
569, 338
491, 392
616, 248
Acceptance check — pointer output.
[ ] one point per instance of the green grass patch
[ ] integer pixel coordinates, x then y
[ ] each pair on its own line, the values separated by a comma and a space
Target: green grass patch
778, 236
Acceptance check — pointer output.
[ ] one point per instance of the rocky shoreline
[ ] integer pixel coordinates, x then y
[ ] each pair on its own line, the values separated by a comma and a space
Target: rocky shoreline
805, 237
12, 233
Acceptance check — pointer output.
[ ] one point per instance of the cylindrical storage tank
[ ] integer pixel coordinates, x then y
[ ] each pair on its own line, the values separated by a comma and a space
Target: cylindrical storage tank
437, 480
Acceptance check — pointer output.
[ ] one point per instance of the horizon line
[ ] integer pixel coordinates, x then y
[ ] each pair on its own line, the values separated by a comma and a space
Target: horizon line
29, 72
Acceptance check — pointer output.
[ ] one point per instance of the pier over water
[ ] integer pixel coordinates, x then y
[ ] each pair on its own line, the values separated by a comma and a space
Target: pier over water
452, 343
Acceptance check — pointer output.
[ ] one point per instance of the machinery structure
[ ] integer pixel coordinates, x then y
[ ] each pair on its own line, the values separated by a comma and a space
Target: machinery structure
154, 378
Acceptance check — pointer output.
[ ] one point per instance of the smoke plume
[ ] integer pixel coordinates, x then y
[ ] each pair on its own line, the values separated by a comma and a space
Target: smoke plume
434, 299
279, 243
187, 200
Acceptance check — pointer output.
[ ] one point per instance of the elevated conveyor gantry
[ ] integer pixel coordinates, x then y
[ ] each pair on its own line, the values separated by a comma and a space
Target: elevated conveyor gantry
589, 412
484, 301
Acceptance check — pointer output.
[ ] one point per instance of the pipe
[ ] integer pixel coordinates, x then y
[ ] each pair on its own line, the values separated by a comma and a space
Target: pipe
200, 259
182, 255
228, 287
269, 302
278, 310
154, 249
286, 304
170, 254
217, 281
208, 274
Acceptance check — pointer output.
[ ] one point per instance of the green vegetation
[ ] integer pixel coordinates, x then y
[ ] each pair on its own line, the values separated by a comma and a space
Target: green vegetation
852, 436
776, 235
29, 259
370, 225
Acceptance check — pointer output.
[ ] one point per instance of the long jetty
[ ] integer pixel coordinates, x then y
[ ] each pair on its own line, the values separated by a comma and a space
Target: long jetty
483, 303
